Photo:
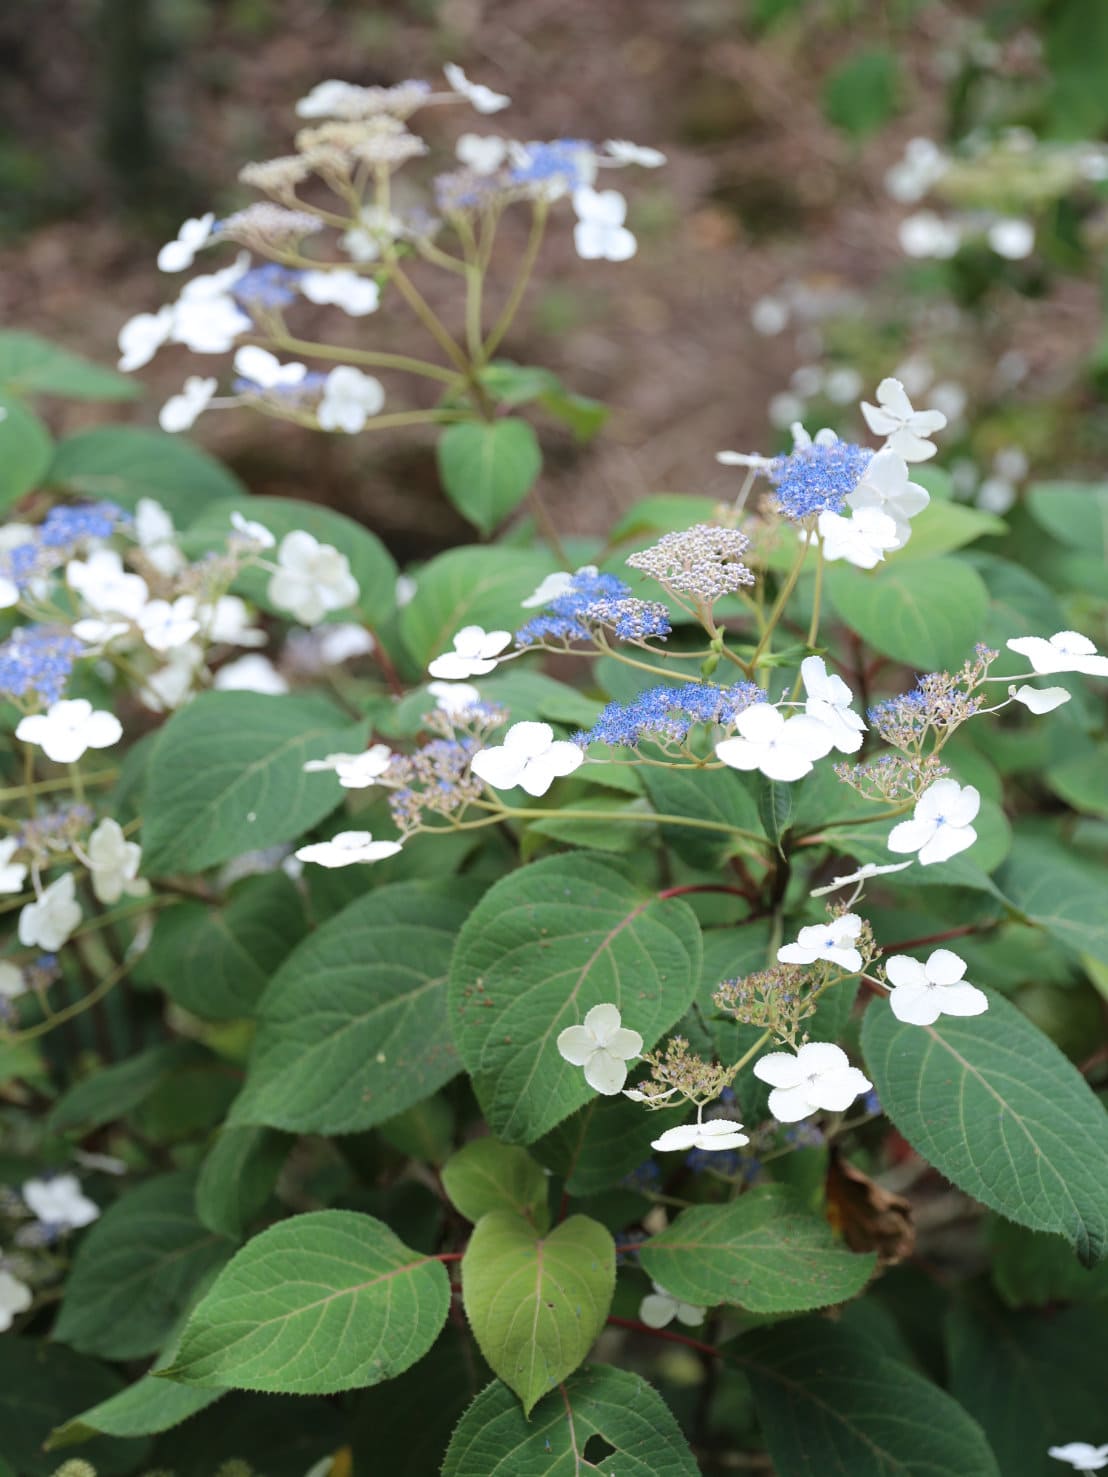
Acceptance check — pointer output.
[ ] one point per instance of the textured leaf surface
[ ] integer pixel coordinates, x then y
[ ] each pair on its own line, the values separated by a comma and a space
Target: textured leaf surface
487, 1175
488, 469
833, 1404
25, 450
323, 1302
216, 961
536, 1304
495, 1439
763, 1252
543, 946
125, 463
353, 1028
136, 1271
227, 776
1060, 893
996, 1107
600, 1144
718, 795
466, 587
34, 366
926, 612
237, 1177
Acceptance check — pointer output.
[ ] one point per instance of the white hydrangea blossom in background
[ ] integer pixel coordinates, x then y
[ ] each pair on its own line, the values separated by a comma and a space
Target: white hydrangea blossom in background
1012, 238
342, 288
347, 848
907, 430
157, 537
69, 728
49, 921
600, 234
179, 254
1065, 651
142, 336
12, 874
114, 863
165, 624
885, 485
482, 98
105, 586
941, 825
256, 533
312, 579
603, 1046
833, 941
818, 1077
227, 621
15, 1297
623, 151
863, 874
530, 757
253, 673
265, 370
58, 1202
350, 398
453, 697
180, 412
782, 749
354, 771
12, 981
922, 992
483, 153
660, 1307
1081, 1456
926, 234
475, 654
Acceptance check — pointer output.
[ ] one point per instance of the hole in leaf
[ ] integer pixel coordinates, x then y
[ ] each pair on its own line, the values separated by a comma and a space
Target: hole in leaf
598, 1450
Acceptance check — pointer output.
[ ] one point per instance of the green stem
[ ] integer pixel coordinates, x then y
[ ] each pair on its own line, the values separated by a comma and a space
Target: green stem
778, 607
519, 287
41, 787
376, 358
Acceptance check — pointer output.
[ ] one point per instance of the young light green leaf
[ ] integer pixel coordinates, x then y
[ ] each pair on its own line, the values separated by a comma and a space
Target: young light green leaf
536, 1304
25, 450
763, 1252
353, 1028
488, 469
125, 463
543, 946
487, 1175
30, 365
216, 960
996, 1108
926, 612
832, 1401
323, 1302
237, 1177
143, 1259
495, 1439
464, 587
227, 776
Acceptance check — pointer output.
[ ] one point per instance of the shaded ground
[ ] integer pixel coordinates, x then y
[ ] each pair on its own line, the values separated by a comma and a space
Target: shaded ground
760, 191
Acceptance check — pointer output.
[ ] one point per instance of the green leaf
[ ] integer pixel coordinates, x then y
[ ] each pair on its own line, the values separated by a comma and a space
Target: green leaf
464, 587
763, 1252
719, 795
537, 1303
40, 1384
495, 1439
1032, 1380
353, 1028
371, 564
1076, 513
323, 1302
600, 1144
216, 960
543, 946
227, 776
863, 92
30, 365
111, 1092
125, 463
488, 469
943, 527
996, 1108
1031, 1269
775, 808
136, 1270
1082, 782
517, 384
237, 1178
663, 512
830, 1401
1058, 892
926, 612
581, 413
487, 1175
25, 451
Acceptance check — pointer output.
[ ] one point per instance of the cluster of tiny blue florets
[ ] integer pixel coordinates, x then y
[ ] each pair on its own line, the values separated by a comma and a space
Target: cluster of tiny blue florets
564, 619
818, 478
562, 159
311, 384
37, 659
61, 533
268, 286
670, 712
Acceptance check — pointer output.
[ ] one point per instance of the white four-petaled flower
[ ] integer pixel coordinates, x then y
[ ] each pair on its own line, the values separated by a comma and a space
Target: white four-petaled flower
312, 579
885, 485
828, 702
68, 728
863, 539
195, 233
714, 1137
265, 370
907, 430
475, 654
180, 412
453, 698
782, 749
58, 1202
253, 673
350, 398
48, 922
530, 757
603, 1046
114, 862
482, 98
818, 1077
660, 1307
1065, 651
344, 288
483, 153
347, 848
600, 234
1081, 1456
941, 824
166, 624
923, 992
354, 771
105, 586
833, 941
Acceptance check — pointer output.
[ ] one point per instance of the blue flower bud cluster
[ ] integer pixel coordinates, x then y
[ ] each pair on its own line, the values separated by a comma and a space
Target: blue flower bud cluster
267, 286
61, 533
670, 712
564, 619
562, 159
38, 660
817, 478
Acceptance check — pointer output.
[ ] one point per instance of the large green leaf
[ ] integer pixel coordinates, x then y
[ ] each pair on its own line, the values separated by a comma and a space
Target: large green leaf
25, 451
488, 470
136, 1270
371, 564
537, 1303
719, 795
237, 1177
30, 365
466, 587
495, 1439
995, 1106
943, 527
217, 960
323, 1302
227, 776
763, 1252
40, 1385
1033, 1380
110, 1092
1076, 513
1033, 1269
1060, 892
599, 1145
833, 1404
125, 463
543, 946
926, 612
353, 1028
487, 1175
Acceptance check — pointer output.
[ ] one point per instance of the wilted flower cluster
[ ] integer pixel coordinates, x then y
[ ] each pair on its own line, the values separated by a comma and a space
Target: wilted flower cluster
776, 999
677, 1070
704, 562
939, 703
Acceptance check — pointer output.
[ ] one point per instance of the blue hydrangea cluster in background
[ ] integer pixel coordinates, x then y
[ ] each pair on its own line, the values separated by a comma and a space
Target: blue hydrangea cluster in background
670, 712
564, 619
61, 533
38, 660
311, 384
563, 159
267, 286
818, 478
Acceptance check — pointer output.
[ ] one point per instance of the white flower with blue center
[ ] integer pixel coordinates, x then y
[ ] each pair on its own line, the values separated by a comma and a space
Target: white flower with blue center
714, 1137
828, 702
58, 1203
941, 825
530, 757
922, 992
354, 771
782, 749
1065, 651
833, 941
818, 1078
68, 728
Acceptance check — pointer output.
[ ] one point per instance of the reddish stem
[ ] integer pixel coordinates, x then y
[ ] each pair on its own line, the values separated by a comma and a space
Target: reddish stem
702, 887
384, 661
935, 938
448, 1256
664, 1333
